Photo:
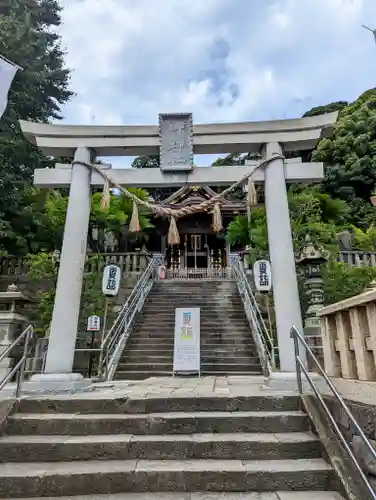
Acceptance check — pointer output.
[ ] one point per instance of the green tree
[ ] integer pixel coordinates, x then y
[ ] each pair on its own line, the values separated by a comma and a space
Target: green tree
238, 159
235, 159
42, 269
114, 219
328, 108
27, 37
146, 162
364, 240
342, 281
312, 213
350, 159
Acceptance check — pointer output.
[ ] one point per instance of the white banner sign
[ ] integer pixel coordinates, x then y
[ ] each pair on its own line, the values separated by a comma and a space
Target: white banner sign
262, 275
8, 71
111, 280
93, 324
187, 340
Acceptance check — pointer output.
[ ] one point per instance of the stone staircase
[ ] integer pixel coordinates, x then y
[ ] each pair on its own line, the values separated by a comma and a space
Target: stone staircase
163, 448
227, 345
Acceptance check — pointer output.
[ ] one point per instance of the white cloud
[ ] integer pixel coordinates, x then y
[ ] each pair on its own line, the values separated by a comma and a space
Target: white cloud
221, 59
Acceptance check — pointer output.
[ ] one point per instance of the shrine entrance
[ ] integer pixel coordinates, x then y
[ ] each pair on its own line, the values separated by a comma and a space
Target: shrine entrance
197, 251
200, 247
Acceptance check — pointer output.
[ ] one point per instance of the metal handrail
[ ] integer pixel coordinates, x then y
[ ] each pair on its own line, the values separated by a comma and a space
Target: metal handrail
115, 341
297, 337
19, 368
264, 341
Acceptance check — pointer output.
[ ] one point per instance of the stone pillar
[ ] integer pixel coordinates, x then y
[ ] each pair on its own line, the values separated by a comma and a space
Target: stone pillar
60, 354
285, 285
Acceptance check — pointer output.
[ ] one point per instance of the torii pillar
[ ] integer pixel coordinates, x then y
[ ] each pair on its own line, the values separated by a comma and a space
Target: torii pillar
176, 139
281, 253
58, 372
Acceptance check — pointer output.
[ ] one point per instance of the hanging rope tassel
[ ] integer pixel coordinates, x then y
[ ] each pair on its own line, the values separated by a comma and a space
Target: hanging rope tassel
134, 225
252, 194
173, 233
217, 218
106, 196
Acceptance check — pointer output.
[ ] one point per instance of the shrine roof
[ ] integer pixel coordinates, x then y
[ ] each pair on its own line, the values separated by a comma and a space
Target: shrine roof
194, 195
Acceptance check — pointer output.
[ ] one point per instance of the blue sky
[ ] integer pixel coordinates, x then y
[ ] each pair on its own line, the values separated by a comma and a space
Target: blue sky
222, 60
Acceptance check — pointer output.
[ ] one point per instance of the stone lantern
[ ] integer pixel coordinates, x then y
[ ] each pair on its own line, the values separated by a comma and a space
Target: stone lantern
12, 321
312, 259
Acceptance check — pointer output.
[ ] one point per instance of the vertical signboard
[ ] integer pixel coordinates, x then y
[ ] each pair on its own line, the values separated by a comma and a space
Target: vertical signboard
187, 340
262, 274
176, 141
93, 324
111, 280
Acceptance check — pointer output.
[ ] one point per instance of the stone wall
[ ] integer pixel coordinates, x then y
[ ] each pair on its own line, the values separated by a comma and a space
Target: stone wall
365, 415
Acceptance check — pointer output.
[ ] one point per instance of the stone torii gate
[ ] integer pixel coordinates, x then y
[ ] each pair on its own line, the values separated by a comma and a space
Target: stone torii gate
176, 139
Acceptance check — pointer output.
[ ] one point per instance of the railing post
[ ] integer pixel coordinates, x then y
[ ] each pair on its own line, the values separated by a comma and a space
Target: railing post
297, 358
21, 372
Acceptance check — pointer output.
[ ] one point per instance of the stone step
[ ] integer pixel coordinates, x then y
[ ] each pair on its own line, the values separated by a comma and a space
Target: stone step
209, 495
199, 293
205, 298
148, 343
168, 312
141, 375
206, 346
131, 356
138, 375
150, 319
193, 292
167, 366
89, 405
163, 342
162, 330
211, 353
239, 446
114, 476
202, 296
216, 324
146, 367
236, 366
213, 358
161, 423
206, 338
153, 351
222, 373
169, 306
151, 347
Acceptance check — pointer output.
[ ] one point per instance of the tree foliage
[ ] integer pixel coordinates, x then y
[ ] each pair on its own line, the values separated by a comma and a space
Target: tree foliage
235, 159
342, 281
114, 219
320, 217
146, 162
328, 108
27, 37
42, 269
350, 159
312, 213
